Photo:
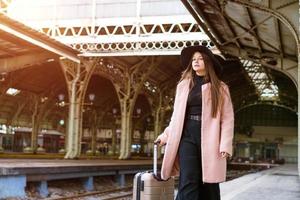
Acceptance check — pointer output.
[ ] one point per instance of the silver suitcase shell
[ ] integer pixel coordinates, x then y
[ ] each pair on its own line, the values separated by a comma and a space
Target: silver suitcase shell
146, 187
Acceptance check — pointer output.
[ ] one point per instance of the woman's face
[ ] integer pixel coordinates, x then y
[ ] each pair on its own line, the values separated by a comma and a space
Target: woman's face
198, 63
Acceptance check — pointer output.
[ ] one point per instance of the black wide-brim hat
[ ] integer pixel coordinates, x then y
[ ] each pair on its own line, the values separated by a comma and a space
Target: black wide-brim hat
188, 52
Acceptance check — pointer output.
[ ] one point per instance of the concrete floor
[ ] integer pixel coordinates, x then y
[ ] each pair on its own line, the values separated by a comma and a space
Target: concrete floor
278, 183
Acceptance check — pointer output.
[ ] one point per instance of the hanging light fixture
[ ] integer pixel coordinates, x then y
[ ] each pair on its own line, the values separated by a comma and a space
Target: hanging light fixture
92, 97
61, 97
138, 111
12, 91
114, 110
62, 103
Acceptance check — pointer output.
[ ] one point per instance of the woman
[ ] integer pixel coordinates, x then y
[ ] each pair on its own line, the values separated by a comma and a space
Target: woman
199, 137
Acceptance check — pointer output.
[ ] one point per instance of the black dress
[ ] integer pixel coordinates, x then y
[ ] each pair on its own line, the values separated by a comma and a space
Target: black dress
191, 186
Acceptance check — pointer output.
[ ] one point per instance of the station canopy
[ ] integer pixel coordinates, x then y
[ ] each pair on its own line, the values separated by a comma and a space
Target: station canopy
256, 40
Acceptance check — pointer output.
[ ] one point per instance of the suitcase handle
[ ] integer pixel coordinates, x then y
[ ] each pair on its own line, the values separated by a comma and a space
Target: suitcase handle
155, 158
155, 174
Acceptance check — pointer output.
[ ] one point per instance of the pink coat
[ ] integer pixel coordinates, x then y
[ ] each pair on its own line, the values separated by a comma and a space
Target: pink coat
216, 134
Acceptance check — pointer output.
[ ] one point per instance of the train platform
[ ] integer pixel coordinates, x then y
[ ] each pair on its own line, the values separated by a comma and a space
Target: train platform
281, 181
49, 169
15, 173
277, 183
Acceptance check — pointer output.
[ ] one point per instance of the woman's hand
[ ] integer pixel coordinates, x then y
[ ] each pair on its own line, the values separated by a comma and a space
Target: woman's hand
225, 154
159, 141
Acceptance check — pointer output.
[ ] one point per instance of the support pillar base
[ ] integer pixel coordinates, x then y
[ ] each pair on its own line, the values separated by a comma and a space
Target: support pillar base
43, 189
121, 180
12, 186
88, 183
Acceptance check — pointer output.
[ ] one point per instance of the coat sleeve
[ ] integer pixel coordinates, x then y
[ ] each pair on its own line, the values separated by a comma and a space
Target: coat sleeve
227, 123
165, 134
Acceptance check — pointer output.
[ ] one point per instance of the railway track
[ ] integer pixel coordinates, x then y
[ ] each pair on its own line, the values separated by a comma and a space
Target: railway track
124, 193
110, 194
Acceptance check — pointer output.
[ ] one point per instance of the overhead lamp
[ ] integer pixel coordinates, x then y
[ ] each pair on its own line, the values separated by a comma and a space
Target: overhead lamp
3, 76
61, 122
43, 99
138, 111
50, 60
92, 97
12, 91
62, 103
61, 97
114, 110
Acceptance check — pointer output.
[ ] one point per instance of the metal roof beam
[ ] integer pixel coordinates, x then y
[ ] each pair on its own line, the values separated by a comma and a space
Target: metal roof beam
38, 39
193, 10
7, 51
156, 37
250, 31
275, 13
286, 62
279, 36
20, 62
258, 42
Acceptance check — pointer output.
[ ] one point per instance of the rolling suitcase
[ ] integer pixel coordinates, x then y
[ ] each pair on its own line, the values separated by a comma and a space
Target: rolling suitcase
147, 187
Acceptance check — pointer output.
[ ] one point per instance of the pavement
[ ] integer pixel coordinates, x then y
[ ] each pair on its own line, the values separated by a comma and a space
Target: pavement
278, 183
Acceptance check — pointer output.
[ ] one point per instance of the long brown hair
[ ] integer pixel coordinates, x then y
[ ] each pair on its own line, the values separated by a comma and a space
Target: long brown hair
211, 76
